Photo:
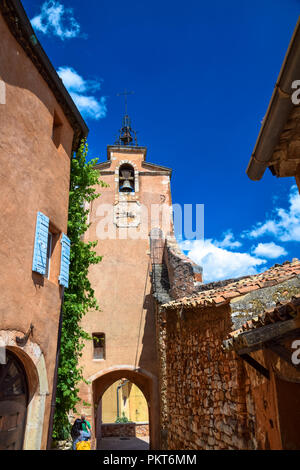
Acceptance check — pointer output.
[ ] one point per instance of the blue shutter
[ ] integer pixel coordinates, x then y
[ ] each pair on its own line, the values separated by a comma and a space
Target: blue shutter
40, 244
65, 261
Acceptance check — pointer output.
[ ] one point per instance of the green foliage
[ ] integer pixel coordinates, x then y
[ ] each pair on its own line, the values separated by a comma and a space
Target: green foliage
122, 419
79, 297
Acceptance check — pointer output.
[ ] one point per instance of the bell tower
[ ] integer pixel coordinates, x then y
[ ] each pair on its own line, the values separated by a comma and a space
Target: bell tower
137, 198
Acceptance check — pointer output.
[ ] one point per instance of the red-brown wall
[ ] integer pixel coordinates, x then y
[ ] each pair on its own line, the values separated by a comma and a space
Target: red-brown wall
34, 177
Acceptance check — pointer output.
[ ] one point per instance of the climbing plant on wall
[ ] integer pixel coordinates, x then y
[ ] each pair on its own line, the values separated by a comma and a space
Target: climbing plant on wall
79, 296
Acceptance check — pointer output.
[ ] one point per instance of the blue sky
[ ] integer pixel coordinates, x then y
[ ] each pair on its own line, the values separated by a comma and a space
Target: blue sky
203, 74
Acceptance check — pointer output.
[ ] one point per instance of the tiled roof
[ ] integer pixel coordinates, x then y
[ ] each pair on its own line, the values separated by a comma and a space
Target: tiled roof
223, 294
282, 312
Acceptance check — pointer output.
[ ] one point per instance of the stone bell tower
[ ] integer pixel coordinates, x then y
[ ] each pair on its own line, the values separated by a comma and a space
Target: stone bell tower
137, 198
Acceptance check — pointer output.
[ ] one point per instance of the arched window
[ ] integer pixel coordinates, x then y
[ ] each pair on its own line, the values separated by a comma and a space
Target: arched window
126, 178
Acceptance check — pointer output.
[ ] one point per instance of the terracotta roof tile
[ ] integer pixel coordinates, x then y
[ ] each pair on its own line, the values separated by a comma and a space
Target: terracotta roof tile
223, 294
282, 312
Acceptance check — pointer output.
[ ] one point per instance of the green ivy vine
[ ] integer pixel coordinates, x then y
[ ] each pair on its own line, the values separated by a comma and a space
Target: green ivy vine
80, 296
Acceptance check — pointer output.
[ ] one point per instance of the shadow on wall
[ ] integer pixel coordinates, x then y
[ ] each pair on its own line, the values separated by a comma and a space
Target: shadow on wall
148, 355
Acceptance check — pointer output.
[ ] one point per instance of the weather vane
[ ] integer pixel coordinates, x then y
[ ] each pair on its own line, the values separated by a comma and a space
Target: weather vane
126, 93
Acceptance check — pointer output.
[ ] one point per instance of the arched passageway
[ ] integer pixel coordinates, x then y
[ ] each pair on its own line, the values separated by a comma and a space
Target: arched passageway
145, 381
13, 403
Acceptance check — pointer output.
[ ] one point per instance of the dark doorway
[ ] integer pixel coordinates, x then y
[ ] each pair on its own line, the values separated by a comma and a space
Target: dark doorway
13, 403
288, 394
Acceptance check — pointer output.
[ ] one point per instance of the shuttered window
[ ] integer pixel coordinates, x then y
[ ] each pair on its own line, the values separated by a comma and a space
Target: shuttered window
39, 263
65, 261
49, 250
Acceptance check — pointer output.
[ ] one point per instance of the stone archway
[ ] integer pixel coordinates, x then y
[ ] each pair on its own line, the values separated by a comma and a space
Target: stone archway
146, 382
33, 362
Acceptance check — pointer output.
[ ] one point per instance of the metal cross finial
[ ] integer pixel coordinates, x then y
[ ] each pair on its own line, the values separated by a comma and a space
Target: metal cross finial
126, 93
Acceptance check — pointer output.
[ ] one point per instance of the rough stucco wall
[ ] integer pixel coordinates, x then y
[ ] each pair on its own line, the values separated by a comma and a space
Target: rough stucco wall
122, 280
34, 177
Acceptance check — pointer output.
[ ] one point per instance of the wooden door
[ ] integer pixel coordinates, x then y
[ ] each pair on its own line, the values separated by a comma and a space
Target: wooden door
13, 403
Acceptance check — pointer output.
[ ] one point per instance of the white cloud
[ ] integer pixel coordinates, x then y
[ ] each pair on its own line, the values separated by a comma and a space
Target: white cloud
228, 241
57, 20
219, 263
267, 228
88, 105
74, 82
284, 224
269, 250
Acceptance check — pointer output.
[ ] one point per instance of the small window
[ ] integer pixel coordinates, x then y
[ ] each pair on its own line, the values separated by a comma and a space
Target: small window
49, 252
57, 129
99, 345
126, 179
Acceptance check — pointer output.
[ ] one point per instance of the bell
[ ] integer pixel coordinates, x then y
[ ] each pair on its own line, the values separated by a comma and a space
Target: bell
126, 187
126, 137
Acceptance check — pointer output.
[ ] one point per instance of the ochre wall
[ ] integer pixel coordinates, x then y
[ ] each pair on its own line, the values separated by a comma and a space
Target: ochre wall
34, 177
135, 409
109, 404
138, 409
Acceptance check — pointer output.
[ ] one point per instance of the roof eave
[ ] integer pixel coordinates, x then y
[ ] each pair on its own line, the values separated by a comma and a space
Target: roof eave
278, 111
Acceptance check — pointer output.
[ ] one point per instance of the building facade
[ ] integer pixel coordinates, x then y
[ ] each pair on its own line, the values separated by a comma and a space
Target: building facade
125, 327
40, 128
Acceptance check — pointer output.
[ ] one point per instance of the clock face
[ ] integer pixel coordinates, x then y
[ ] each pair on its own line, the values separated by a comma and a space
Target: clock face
127, 214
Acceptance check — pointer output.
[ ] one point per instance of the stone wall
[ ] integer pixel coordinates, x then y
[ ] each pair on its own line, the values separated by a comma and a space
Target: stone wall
210, 397
125, 429
203, 388
174, 275
184, 274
